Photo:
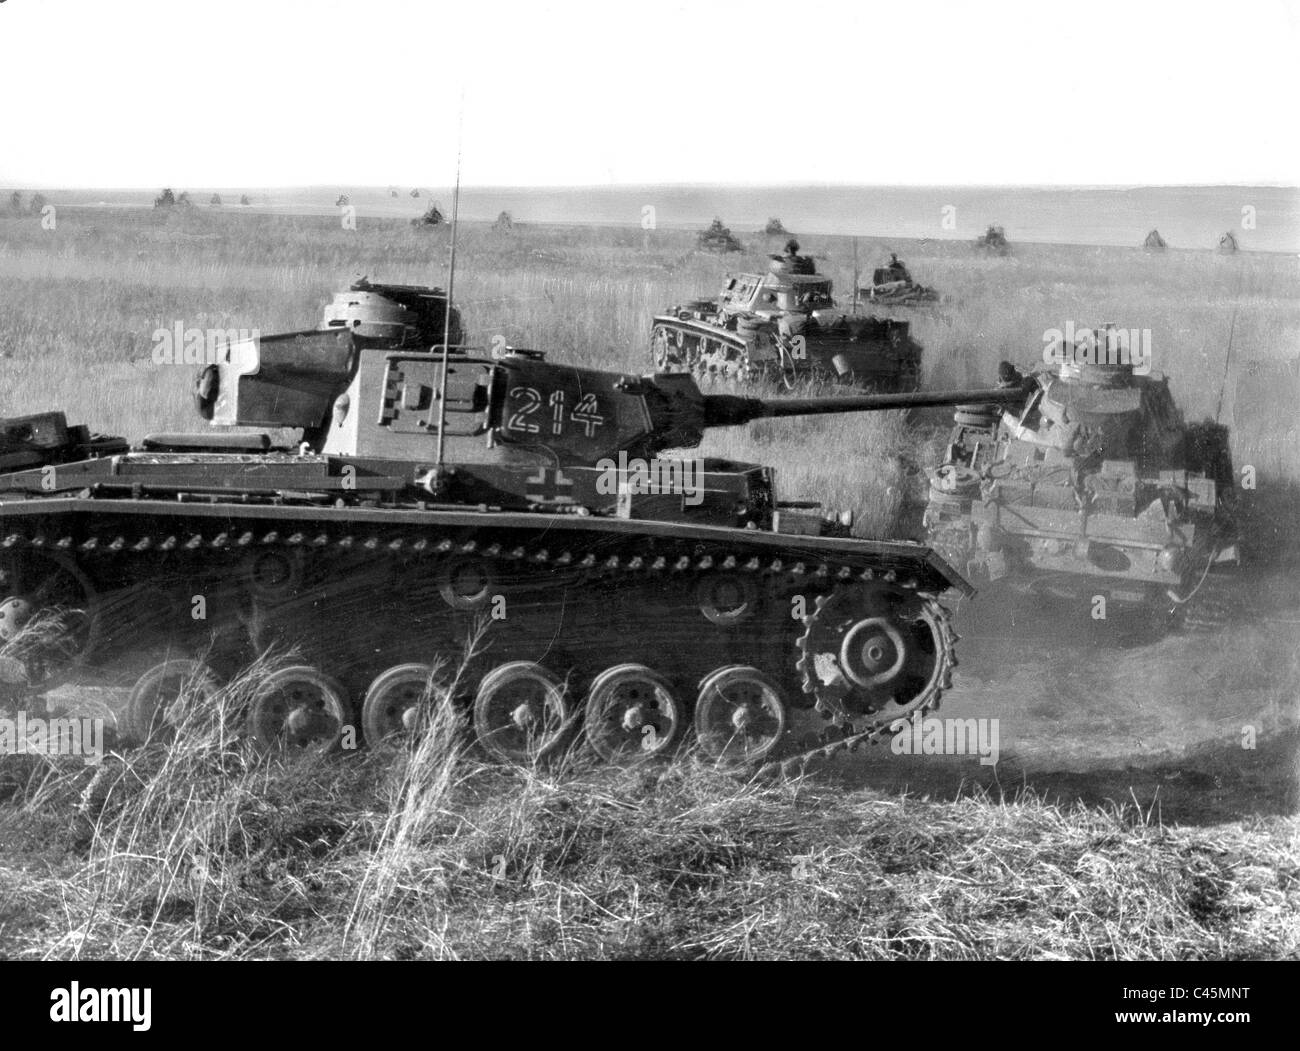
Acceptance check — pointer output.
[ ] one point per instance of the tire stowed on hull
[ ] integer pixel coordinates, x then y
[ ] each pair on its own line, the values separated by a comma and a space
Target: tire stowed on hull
782, 648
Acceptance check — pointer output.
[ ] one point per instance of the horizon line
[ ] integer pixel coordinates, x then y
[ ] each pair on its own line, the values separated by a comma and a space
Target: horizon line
786, 184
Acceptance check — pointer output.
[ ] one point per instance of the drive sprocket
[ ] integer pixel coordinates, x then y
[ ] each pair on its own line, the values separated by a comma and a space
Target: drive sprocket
871, 657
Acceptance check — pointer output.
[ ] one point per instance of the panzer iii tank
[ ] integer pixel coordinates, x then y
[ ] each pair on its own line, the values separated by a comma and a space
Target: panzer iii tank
784, 325
892, 285
1094, 485
438, 494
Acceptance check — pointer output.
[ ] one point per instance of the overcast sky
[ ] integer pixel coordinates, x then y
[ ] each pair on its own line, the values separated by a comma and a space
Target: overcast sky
265, 93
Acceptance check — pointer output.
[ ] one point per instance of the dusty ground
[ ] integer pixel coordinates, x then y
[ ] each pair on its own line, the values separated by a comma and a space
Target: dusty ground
1204, 726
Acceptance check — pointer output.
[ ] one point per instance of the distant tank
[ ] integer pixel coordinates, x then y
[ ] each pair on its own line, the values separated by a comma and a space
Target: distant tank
418, 502
786, 326
1093, 485
892, 285
993, 241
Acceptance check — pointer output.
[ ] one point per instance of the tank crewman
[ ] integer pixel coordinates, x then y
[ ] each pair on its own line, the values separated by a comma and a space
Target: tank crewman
796, 263
1009, 376
897, 269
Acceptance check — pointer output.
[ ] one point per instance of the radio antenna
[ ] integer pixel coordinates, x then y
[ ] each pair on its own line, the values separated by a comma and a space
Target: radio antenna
451, 287
1227, 358
855, 277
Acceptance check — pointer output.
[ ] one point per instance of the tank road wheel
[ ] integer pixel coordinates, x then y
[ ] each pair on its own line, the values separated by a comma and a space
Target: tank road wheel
690, 348
157, 704
466, 583
697, 358
299, 710
873, 656
631, 714
739, 715
521, 713
726, 598
667, 357
397, 701
700, 359
15, 612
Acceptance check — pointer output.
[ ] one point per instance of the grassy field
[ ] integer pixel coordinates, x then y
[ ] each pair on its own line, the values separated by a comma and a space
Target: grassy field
81, 301
205, 850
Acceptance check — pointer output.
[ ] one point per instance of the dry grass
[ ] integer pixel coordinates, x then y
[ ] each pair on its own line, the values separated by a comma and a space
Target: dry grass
207, 852
205, 848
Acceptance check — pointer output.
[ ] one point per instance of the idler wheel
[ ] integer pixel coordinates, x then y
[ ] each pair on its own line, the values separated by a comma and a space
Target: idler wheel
739, 715
879, 652
398, 702
162, 696
631, 714
299, 710
52, 619
726, 598
466, 583
521, 713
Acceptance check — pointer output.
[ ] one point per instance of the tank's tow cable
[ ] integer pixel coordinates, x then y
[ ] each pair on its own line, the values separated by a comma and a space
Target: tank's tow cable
1188, 598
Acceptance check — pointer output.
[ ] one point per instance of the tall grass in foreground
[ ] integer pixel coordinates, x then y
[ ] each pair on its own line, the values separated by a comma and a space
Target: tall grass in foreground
423, 778
210, 854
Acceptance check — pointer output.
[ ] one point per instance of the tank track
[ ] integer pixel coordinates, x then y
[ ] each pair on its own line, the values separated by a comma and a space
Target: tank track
128, 550
1217, 604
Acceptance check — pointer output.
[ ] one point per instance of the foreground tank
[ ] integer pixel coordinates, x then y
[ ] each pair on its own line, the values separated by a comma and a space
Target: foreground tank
637, 597
1094, 485
785, 325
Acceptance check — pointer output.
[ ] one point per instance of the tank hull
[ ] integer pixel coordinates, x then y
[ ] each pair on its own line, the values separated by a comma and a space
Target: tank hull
355, 591
865, 353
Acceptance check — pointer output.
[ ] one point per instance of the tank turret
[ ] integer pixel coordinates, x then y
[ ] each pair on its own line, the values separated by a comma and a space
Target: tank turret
393, 315
1094, 484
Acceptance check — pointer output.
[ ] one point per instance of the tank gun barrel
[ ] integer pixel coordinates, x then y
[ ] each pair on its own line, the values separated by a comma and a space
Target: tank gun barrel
722, 410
